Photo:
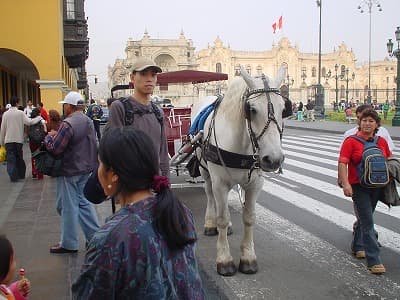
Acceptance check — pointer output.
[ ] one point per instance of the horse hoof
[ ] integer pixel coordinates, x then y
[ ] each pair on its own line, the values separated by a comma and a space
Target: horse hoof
226, 269
230, 230
210, 231
248, 267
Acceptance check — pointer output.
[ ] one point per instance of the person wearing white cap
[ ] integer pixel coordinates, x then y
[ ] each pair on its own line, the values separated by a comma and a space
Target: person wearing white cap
75, 140
12, 137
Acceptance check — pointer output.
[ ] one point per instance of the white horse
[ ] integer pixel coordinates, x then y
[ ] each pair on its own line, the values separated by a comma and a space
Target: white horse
248, 123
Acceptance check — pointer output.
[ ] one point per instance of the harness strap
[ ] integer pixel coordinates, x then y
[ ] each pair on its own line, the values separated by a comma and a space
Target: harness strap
230, 159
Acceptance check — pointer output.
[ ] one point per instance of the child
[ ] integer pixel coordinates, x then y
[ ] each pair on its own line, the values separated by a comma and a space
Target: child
18, 290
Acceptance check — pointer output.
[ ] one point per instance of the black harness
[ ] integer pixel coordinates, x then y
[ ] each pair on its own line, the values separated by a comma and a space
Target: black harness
229, 159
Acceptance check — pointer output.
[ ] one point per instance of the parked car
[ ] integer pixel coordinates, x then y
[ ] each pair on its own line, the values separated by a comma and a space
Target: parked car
104, 117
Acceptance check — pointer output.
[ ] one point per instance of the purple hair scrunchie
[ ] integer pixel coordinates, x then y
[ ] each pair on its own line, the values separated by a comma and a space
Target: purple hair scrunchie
160, 183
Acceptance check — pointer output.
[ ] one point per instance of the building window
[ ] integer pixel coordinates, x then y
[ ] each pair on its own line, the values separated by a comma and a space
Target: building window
342, 71
237, 70
248, 69
218, 68
304, 71
188, 54
259, 70
314, 72
342, 91
70, 9
323, 72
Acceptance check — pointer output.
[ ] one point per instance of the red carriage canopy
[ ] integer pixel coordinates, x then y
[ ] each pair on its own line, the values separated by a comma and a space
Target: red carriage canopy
183, 76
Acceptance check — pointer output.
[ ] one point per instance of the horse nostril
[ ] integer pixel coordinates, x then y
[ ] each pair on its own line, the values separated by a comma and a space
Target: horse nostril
271, 163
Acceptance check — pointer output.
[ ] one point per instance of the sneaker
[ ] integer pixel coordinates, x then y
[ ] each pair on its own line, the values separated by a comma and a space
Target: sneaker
359, 254
377, 269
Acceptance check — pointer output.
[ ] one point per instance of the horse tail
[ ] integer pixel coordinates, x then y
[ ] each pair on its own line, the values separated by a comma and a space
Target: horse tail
174, 221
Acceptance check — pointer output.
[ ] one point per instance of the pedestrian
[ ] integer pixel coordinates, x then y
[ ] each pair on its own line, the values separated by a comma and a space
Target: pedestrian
43, 112
300, 112
18, 290
146, 250
54, 120
385, 109
144, 115
144, 80
28, 109
12, 136
382, 131
75, 140
310, 111
39, 129
95, 113
364, 244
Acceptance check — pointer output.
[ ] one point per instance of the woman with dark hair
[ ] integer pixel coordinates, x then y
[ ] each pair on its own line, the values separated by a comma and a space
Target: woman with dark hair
147, 249
55, 120
18, 290
364, 244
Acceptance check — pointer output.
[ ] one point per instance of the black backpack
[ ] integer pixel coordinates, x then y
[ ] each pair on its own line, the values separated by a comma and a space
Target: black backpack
372, 170
36, 133
130, 112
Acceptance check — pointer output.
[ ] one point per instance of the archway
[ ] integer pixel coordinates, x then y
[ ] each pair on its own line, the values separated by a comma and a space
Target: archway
18, 77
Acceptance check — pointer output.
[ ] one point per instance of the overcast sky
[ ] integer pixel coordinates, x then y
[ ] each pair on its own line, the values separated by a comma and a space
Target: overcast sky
244, 25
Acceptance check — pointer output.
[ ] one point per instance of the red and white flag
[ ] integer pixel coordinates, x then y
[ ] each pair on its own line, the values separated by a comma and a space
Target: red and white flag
277, 25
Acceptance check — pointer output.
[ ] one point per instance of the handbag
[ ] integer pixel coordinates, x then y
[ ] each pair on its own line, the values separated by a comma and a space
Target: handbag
3, 153
47, 163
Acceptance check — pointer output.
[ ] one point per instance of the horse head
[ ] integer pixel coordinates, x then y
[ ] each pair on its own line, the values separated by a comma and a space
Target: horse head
263, 109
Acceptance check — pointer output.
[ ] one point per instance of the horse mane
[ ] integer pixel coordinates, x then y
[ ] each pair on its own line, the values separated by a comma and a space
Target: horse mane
232, 104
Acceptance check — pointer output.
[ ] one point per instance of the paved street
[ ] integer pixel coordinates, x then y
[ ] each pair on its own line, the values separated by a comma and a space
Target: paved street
302, 235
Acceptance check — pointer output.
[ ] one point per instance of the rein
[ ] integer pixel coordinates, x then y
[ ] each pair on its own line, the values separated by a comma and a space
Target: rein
250, 162
271, 116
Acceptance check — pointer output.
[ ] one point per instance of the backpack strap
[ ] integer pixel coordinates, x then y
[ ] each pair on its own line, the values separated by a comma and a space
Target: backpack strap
130, 112
363, 141
128, 108
157, 113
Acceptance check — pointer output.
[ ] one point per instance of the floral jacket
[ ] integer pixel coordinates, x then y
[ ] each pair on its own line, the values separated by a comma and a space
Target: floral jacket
128, 259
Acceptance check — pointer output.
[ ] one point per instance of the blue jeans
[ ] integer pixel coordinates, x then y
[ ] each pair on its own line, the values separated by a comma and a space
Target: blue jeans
16, 167
74, 209
364, 238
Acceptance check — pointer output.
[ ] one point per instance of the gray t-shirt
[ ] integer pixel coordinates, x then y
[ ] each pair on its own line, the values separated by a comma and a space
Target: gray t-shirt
148, 123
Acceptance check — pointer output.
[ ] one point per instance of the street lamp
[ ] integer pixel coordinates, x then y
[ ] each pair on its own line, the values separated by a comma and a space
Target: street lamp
369, 4
347, 79
336, 89
396, 53
290, 82
320, 95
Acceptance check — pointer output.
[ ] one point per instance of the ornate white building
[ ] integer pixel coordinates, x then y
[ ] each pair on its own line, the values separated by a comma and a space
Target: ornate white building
342, 77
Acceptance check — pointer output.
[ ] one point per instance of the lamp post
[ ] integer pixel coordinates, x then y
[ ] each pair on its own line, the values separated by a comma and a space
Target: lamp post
347, 79
396, 53
369, 4
320, 95
290, 82
336, 87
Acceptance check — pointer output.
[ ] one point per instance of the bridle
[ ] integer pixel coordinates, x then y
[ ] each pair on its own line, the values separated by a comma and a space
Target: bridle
270, 118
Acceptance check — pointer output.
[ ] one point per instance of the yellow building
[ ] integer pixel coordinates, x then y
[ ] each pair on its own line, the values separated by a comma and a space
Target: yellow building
37, 61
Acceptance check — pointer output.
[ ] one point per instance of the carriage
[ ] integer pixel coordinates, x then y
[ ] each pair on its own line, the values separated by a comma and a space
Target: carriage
177, 119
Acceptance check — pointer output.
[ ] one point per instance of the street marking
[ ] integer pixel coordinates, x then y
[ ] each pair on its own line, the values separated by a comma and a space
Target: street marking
318, 252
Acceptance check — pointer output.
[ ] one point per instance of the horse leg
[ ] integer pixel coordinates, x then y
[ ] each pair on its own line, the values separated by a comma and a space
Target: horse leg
210, 219
225, 264
248, 259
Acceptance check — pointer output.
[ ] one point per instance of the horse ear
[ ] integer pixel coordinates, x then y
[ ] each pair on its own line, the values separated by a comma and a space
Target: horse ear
247, 78
281, 75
